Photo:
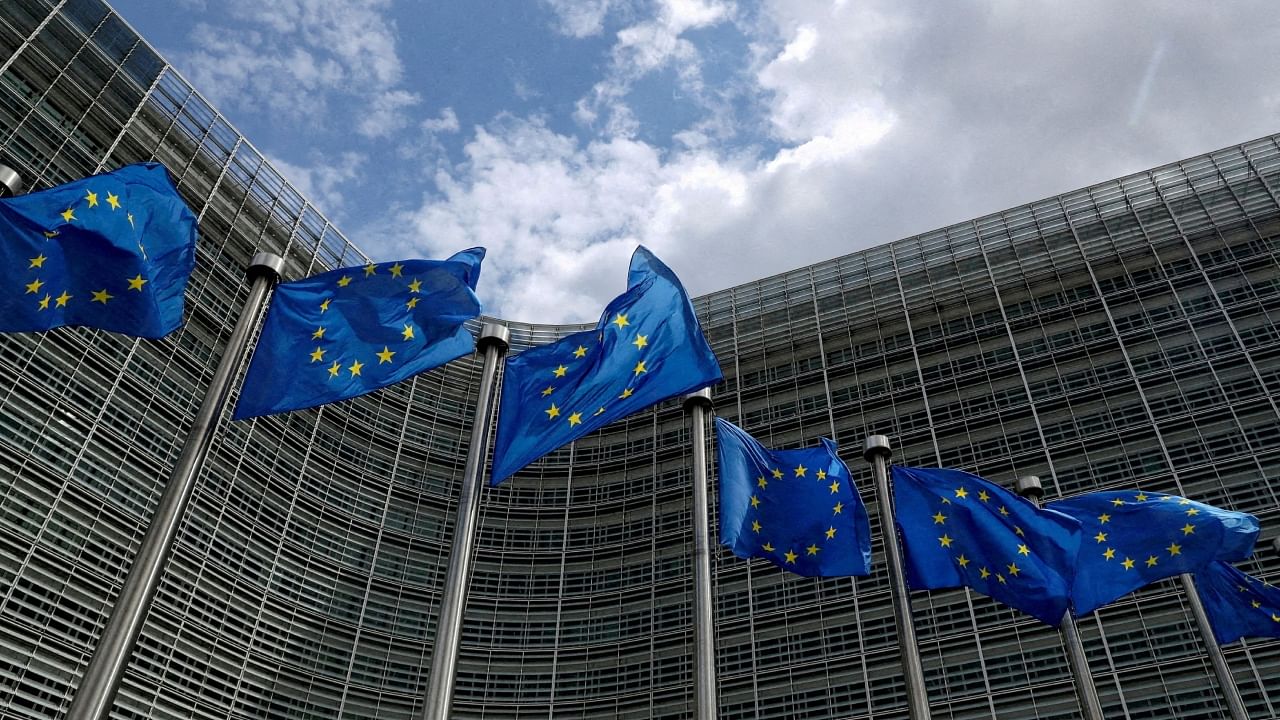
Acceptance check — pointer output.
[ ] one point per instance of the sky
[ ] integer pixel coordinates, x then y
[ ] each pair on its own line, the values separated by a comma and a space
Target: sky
734, 139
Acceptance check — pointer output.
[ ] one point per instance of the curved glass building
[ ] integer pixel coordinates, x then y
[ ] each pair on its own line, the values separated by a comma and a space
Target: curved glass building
1116, 336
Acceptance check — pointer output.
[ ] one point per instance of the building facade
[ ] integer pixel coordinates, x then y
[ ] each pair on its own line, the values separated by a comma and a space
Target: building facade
1112, 337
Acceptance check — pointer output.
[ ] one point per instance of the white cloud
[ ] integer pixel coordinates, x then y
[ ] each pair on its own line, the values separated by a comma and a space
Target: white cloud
580, 18
326, 181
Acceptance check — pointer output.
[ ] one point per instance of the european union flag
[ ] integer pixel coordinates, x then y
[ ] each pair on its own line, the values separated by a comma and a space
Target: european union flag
350, 331
1133, 538
646, 348
960, 530
1238, 605
797, 509
112, 251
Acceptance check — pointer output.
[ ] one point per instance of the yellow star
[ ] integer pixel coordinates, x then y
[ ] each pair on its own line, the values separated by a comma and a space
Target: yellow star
640, 341
945, 540
370, 269
386, 355
552, 412
1024, 550
136, 283
621, 321
762, 482
582, 350
1100, 537
413, 303
831, 533
777, 474
1104, 518
1117, 502
44, 304
1127, 563
791, 557
801, 470
407, 333
822, 474
1184, 501
396, 270
962, 493
51, 233
34, 286
838, 508
1255, 604
599, 411
130, 217
625, 394
113, 201
1188, 529
559, 372
640, 367
37, 261
549, 389
1004, 511
835, 487
1174, 549
812, 550
334, 369
1141, 497
983, 496
768, 547
755, 501
355, 368
344, 281
984, 573
575, 419
324, 306
1151, 561
318, 334
68, 214
1192, 511
317, 355
415, 286
1001, 579
1018, 531
1275, 618
1013, 569
102, 296
1109, 554
755, 526
92, 197
964, 561
63, 298
939, 518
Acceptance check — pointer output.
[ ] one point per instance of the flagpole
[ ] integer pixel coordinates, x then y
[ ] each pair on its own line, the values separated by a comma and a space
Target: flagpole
1235, 704
1029, 487
493, 342
876, 452
96, 693
697, 405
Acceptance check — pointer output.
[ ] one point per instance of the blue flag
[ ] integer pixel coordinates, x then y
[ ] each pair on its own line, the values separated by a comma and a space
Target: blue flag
112, 251
1133, 538
797, 509
646, 348
960, 530
350, 331
1238, 605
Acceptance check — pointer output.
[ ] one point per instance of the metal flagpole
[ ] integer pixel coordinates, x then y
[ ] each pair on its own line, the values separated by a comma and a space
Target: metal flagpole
1235, 704
876, 451
493, 342
1029, 487
697, 406
94, 697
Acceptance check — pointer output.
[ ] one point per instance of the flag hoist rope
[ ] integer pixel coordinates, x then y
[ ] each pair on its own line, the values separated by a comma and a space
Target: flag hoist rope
493, 342
93, 698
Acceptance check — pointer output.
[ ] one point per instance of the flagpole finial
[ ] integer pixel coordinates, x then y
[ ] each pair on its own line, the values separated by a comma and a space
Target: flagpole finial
496, 334
698, 397
1029, 487
874, 446
10, 182
265, 264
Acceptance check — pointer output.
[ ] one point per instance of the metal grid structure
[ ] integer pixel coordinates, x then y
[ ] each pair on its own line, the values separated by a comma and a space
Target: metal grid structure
1114, 336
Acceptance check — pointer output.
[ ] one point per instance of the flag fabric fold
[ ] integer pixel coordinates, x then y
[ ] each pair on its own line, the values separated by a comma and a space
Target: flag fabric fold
795, 508
111, 251
647, 347
348, 332
1133, 538
961, 530
1238, 605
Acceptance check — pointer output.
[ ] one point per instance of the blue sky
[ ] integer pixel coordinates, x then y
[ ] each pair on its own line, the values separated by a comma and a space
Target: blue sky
734, 139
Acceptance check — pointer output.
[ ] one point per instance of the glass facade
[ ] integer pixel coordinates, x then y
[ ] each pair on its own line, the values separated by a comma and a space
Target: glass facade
1114, 336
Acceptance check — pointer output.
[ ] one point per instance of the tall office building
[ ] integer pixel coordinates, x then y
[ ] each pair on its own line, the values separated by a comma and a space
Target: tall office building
1114, 336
